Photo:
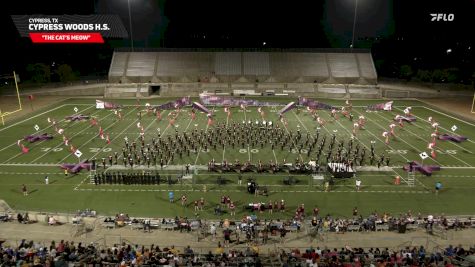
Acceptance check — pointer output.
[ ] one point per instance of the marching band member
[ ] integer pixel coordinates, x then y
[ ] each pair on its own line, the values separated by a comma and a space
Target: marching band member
386, 136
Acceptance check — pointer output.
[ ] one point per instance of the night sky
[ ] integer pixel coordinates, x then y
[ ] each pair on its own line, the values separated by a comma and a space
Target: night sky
395, 30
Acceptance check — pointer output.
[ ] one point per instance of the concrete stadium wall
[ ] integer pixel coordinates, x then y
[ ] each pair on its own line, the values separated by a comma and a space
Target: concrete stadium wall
397, 90
127, 90
328, 91
76, 90
364, 92
291, 89
385, 89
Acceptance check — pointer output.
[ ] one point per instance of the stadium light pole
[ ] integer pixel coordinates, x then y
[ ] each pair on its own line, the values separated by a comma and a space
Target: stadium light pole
130, 26
354, 25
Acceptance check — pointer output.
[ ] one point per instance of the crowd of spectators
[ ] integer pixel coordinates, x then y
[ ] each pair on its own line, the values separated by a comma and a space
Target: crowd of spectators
251, 232
64, 253
408, 256
386, 221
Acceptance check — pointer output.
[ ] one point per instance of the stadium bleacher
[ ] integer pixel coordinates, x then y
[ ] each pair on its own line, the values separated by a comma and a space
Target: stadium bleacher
304, 72
69, 253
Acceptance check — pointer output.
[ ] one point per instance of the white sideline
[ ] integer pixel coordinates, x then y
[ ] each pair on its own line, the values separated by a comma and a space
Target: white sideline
32, 117
447, 115
420, 138
38, 143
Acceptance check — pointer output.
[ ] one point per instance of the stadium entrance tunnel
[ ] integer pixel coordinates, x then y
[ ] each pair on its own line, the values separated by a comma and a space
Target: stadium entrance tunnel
154, 89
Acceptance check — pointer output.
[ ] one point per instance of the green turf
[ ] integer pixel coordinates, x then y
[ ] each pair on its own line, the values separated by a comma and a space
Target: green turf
67, 194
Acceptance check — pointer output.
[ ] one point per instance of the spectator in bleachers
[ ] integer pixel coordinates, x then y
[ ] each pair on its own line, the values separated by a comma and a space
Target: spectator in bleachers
51, 220
68, 253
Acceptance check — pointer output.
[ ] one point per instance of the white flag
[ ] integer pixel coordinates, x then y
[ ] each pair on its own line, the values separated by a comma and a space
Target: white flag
126, 139
49, 120
78, 153
76, 109
36, 127
454, 128
423, 155
138, 124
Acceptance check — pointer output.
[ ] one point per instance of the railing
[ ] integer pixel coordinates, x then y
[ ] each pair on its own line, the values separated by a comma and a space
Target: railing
271, 255
302, 50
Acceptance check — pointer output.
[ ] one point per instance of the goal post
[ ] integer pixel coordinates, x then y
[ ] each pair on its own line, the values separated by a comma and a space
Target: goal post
473, 103
17, 91
4, 113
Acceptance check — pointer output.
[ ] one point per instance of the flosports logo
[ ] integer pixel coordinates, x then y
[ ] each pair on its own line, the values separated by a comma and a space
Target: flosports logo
442, 17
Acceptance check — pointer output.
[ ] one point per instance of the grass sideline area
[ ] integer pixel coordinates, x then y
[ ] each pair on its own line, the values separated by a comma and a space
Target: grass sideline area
68, 194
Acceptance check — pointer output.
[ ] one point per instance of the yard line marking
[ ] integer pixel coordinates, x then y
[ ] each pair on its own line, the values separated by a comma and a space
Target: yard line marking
201, 167
399, 154
248, 150
166, 128
1, 130
145, 134
44, 128
187, 126
61, 143
447, 115
38, 143
398, 139
83, 144
457, 145
100, 150
184, 131
293, 142
31, 173
342, 126
461, 168
393, 105
169, 160
301, 123
30, 164
82, 182
407, 160
275, 157
224, 147
199, 149
420, 138
153, 120
445, 130
117, 136
382, 140
234, 190
328, 131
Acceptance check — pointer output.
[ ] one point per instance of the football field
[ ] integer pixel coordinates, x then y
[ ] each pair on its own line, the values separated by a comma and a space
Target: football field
378, 193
